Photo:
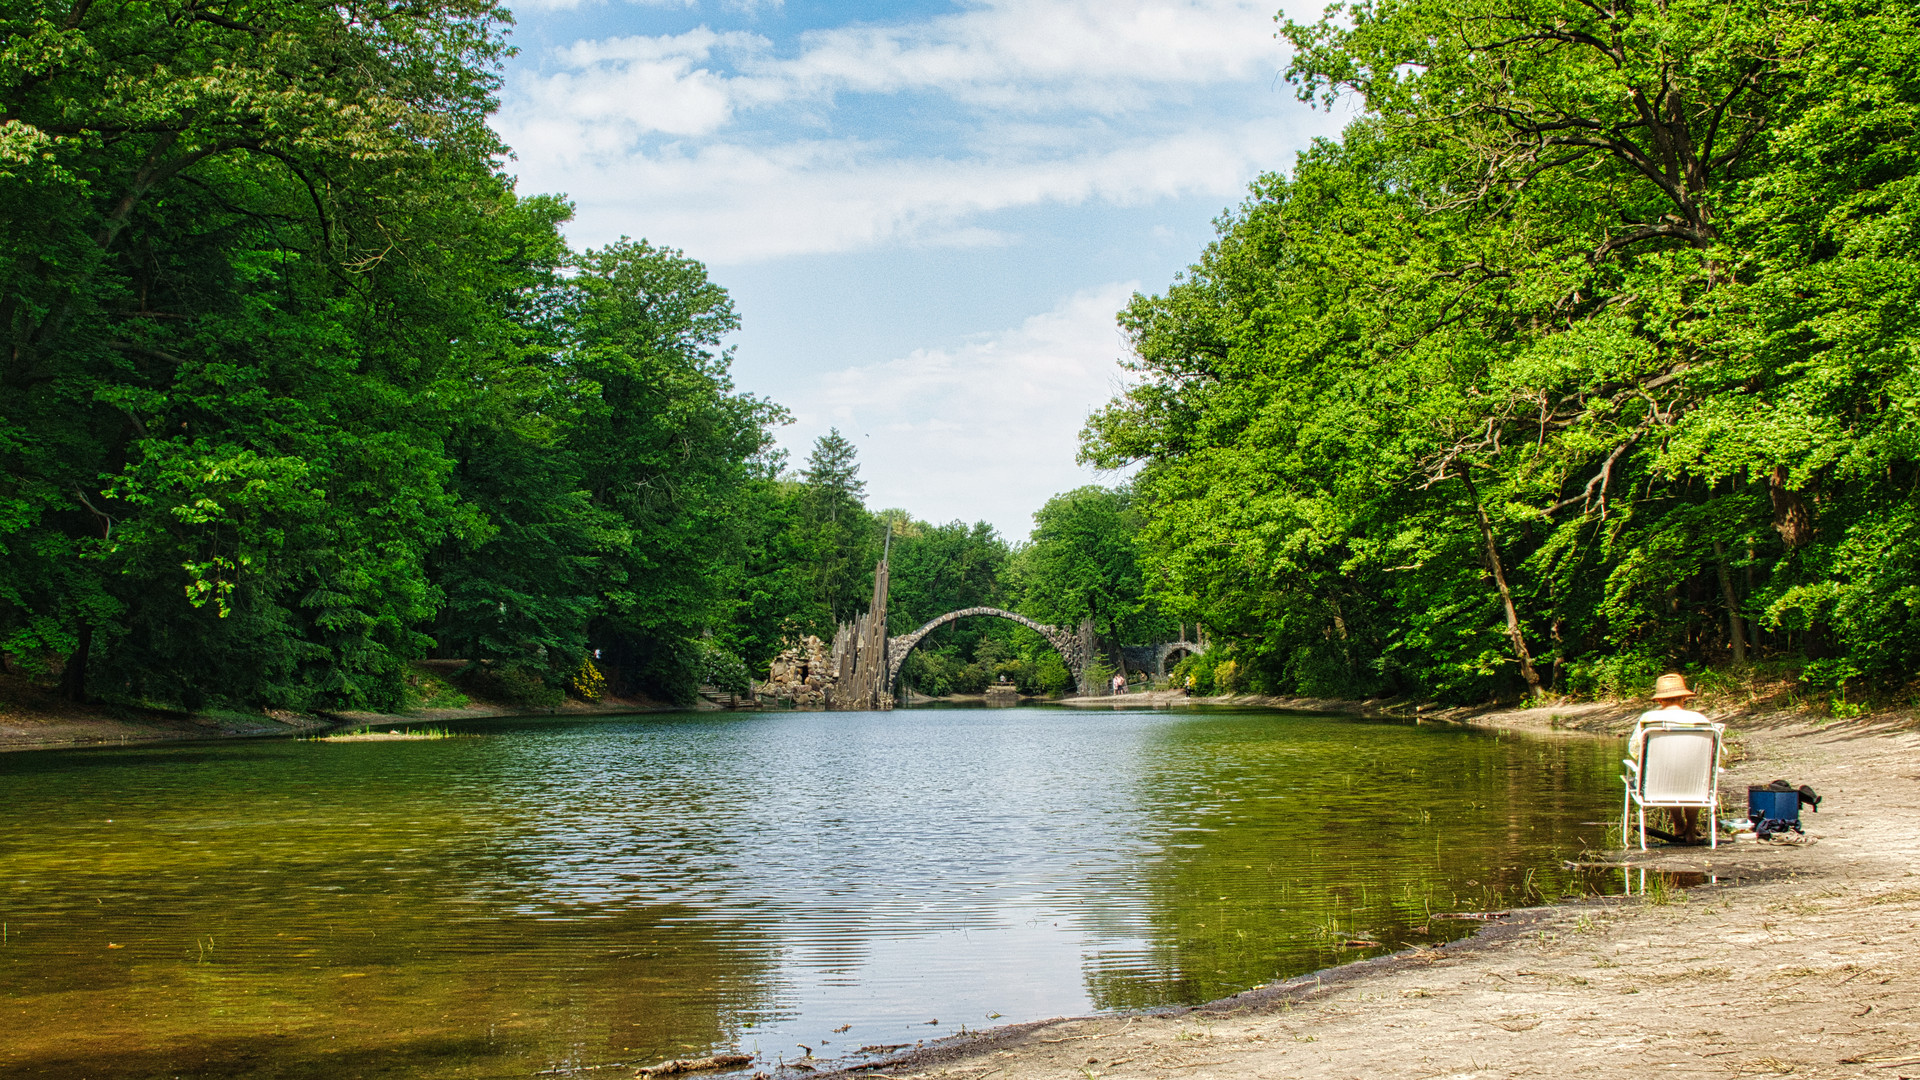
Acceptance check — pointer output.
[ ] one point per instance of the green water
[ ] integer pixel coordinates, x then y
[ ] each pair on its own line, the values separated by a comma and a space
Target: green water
559, 895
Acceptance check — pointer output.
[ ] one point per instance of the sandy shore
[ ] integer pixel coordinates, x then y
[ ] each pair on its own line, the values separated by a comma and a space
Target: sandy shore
1802, 961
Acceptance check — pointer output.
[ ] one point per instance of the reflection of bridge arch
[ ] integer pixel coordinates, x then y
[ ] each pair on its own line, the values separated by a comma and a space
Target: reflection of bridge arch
1074, 649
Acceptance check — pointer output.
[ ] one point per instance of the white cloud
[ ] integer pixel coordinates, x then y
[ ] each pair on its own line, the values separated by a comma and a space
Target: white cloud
985, 431
1100, 55
732, 203
648, 134
617, 89
1083, 42
541, 6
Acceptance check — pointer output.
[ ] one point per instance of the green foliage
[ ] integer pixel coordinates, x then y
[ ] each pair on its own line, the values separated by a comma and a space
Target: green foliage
939, 672
1100, 674
1604, 317
297, 389
427, 690
723, 670
1212, 672
1195, 672
1050, 674
517, 686
845, 540
773, 598
1082, 564
587, 683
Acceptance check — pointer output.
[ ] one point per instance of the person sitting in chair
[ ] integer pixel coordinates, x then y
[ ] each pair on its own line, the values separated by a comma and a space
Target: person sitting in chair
1670, 696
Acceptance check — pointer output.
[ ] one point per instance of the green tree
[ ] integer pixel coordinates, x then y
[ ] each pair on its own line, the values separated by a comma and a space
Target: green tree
845, 543
666, 449
216, 472
774, 599
1557, 367
297, 387
1082, 564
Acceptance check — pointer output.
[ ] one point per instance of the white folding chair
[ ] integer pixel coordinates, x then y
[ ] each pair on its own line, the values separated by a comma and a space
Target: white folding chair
1679, 767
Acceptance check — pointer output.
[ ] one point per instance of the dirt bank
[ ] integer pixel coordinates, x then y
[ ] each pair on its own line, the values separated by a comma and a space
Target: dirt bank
1803, 961
1589, 717
33, 718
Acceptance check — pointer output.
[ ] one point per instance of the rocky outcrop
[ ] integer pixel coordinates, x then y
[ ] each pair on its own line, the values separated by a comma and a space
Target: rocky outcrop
809, 675
803, 674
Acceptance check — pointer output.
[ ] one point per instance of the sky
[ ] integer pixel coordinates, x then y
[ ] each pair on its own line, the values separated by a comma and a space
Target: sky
927, 213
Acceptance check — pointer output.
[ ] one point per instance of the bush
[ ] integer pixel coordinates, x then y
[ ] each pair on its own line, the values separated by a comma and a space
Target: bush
1099, 674
425, 690
587, 683
514, 685
1050, 674
1195, 672
724, 670
937, 673
1619, 676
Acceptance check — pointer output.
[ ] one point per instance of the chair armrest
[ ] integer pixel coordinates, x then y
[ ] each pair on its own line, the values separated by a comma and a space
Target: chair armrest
1631, 764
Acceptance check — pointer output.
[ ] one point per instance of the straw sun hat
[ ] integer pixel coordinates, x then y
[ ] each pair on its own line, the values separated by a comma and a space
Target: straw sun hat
1670, 687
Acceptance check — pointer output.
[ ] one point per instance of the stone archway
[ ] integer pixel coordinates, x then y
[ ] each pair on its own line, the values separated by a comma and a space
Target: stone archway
1075, 649
1165, 653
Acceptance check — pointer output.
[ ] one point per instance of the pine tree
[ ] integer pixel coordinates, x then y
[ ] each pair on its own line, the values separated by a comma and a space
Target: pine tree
837, 512
833, 476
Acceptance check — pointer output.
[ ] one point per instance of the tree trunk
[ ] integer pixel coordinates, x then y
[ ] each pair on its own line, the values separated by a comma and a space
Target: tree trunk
1736, 626
1792, 517
1514, 633
73, 681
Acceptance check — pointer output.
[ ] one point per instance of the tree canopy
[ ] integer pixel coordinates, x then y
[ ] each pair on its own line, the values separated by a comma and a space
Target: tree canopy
298, 388
1587, 350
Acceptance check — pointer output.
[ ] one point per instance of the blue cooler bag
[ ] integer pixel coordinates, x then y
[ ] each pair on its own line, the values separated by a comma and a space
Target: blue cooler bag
1766, 804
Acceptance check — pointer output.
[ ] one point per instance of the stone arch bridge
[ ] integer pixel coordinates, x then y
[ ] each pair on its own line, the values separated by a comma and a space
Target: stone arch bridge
864, 667
1074, 646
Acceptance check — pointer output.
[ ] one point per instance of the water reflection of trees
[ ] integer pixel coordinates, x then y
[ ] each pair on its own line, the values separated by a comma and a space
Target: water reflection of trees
1283, 842
430, 993
319, 915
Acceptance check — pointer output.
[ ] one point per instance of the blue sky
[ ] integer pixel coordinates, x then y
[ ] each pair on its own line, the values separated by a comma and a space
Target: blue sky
927, 213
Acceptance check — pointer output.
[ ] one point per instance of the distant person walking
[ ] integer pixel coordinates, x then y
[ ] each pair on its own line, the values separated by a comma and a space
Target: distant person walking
1670, 696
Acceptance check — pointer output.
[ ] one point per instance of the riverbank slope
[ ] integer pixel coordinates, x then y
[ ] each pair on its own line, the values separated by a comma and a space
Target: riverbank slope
34, 717
1802, 960
1606, 717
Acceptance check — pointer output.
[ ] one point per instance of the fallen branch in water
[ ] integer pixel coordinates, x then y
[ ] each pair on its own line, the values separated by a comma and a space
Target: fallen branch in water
705, 1064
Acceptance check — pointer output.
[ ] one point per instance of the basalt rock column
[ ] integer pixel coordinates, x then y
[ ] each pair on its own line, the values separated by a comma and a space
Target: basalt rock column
860, 652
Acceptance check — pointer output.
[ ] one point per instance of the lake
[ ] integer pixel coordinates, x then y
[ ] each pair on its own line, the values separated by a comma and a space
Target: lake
550, 895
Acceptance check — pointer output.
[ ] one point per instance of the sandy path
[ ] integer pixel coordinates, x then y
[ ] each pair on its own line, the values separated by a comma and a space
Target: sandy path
1809, 967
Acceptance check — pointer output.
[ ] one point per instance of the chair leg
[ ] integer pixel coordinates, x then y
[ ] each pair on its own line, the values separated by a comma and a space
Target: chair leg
1713, 813
1643, 826
1626, 811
